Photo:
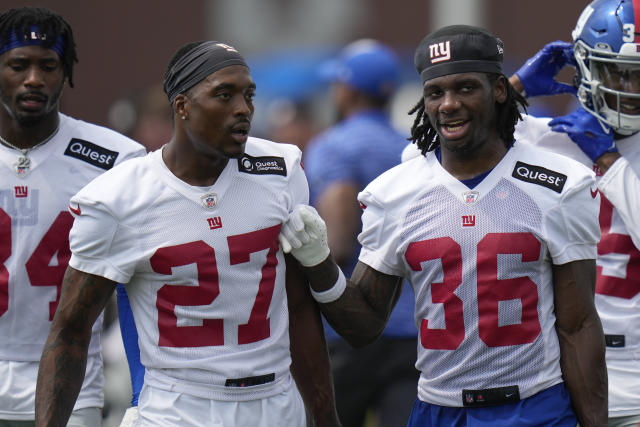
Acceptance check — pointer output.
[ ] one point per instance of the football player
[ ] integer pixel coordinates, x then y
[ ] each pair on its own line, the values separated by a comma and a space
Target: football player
339, 163
603, 135
45, 158
498, 239
224, 321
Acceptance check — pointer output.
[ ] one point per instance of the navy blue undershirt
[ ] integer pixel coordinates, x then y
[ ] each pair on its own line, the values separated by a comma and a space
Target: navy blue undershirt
471, 182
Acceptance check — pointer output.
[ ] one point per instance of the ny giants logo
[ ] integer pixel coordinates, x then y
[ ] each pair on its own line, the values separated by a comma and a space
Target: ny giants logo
439, 52
21, 190
468, 220
215, 222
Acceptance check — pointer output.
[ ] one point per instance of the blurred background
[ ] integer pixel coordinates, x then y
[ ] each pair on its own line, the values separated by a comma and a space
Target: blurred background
124, 46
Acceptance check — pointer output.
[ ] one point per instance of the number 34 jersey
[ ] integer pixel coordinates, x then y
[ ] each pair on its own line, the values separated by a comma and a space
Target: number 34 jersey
202, 267
480, 263
34, 251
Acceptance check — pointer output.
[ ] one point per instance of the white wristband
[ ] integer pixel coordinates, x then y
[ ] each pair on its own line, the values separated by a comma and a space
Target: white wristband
334, 292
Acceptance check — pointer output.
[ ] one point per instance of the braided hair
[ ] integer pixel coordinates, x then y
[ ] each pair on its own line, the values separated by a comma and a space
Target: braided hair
19, 21
427, 139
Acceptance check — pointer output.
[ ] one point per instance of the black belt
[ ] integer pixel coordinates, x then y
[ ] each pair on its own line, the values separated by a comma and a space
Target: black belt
249, 381
490, 396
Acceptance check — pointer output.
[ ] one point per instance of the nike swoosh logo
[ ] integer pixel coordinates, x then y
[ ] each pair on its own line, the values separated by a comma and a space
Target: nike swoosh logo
593, 193
75, 210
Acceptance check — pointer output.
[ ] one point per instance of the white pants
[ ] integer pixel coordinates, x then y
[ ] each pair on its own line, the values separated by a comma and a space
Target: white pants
85, 417
625, 421
624, 390
171, 409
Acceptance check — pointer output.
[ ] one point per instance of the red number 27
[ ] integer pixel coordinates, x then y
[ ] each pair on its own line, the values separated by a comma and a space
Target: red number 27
211, 333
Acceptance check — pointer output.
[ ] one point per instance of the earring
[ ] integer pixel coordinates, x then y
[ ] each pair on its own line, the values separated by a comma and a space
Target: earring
184, 117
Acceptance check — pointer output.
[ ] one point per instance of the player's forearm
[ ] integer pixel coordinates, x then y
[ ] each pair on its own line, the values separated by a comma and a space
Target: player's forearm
585, 372
60, 376
310, 365
312, 373
361, 313
358, 308
64, 358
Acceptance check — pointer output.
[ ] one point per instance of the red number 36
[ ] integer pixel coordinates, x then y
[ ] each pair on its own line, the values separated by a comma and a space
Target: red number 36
490, 289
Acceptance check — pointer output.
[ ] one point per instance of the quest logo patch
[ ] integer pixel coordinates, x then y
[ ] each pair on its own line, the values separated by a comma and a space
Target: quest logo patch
540, 176
91, 153
266, 165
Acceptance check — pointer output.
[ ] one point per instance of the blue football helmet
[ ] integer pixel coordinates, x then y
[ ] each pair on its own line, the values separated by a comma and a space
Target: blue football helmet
607, 50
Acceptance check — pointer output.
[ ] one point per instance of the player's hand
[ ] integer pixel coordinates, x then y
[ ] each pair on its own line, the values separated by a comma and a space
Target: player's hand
304, 235
130, 417
586, 131
538, 74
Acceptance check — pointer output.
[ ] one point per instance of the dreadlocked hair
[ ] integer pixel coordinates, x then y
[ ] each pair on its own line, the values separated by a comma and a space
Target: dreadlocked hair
508, 114
20, 20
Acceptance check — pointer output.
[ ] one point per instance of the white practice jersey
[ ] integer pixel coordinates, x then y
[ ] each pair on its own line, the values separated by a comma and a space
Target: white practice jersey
202, 265
34, 250
618, 280
480, 262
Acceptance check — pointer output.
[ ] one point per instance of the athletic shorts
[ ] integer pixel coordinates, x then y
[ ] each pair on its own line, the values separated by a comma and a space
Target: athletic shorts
550, 407
624, 387
159, 407
85, 417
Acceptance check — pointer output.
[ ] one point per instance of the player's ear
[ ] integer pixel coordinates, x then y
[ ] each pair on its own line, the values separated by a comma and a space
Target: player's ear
500, 89
181, 106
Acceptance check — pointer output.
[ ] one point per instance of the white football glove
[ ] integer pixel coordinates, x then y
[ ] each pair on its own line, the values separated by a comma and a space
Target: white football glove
304, 235
130, 417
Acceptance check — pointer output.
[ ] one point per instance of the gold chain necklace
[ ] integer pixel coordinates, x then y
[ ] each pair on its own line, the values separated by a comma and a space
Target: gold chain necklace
23, 165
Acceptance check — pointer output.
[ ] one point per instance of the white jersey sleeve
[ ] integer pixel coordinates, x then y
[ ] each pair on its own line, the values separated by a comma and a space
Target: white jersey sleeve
536, 131
621, 186
409, 152
298, 185
378, 223
100, 242
573, 231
